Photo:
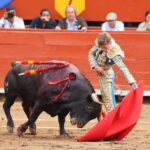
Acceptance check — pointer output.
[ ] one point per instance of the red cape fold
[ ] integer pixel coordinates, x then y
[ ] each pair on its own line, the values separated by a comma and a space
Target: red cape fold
118, 123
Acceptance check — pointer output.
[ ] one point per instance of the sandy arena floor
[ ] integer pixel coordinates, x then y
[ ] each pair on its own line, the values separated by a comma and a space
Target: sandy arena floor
47, 137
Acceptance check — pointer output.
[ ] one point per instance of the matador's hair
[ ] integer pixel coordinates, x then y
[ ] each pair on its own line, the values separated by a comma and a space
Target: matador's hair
104, 38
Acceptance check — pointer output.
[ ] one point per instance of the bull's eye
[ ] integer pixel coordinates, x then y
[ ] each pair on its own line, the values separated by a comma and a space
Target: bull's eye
89, 108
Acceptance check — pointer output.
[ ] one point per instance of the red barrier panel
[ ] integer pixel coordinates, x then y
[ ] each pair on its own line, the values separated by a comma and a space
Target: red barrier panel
73, 47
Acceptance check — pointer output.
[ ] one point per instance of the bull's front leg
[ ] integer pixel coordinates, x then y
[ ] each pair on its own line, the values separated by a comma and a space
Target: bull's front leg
61, 120
27, 109
36, 111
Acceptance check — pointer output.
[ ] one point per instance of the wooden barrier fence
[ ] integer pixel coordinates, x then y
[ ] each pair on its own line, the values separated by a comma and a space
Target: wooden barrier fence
73, 47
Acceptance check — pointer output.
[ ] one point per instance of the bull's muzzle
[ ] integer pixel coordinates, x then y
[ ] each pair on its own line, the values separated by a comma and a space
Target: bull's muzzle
73, 121
80, 124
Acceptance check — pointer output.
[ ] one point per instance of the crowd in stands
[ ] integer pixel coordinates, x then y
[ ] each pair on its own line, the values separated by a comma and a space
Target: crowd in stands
112, 24
10, 20
44, 21
70, 22
145, 26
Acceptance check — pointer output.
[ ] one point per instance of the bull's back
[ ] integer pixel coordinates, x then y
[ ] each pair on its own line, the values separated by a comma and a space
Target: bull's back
30, 85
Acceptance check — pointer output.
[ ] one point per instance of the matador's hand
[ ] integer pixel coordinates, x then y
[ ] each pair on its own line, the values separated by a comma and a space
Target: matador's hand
99, 70
134, 85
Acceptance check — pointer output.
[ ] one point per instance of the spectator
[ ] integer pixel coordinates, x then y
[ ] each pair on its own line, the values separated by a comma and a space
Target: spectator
145, 26
10, 20
71, 22
112, 24
44, 21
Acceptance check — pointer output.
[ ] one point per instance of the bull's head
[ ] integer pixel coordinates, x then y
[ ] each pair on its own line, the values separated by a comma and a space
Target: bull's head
83, 113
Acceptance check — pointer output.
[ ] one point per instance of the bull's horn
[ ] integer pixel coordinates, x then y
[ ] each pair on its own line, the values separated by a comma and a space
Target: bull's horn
95, 98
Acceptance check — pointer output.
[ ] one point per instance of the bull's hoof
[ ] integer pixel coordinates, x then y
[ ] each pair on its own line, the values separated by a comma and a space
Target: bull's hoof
10, 129
19, 131
32, 131
65, 135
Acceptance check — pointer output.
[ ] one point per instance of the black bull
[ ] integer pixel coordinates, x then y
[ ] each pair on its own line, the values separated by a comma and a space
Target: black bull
57, 91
